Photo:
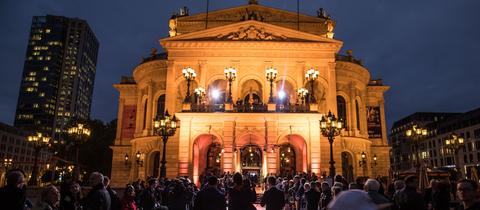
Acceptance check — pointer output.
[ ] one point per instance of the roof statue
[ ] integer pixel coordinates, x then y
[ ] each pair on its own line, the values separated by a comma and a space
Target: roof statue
252, 2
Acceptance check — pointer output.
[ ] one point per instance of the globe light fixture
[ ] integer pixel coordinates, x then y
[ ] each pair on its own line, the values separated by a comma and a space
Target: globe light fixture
38, 140
330, 127
165, 126
311, 76
271, 76
189, 75
230, 75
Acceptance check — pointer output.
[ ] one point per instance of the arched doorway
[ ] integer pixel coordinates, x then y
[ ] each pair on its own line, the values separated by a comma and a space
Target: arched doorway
287, 159
207, 156
347, 166
214, 157
155, 164
255, 99
251, 159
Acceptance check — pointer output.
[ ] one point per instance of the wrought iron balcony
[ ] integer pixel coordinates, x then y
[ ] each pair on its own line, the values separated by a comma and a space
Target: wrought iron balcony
251, 108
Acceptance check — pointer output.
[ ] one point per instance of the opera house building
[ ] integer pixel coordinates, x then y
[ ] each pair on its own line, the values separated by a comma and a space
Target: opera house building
248, 87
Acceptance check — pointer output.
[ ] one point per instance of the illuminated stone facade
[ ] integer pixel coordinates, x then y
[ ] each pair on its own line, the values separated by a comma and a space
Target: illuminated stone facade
257, 138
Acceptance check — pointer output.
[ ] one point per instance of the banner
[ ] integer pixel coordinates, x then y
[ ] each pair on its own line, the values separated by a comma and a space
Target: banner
374, 122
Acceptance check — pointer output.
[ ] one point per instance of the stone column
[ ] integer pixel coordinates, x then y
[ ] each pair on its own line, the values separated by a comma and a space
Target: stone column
332, 89
353, 110
149, 114
170, 92
139, 118
121, 104
228, 137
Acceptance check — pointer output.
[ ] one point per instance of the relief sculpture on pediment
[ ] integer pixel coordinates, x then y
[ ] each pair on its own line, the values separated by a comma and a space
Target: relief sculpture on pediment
251, 33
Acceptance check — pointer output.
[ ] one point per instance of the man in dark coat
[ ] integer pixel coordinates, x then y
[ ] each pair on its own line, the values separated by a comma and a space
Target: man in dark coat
273, 198
12, 196
210, 198
98, 198
408, 198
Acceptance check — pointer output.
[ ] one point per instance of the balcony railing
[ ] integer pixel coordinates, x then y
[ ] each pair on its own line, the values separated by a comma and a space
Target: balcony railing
251, 108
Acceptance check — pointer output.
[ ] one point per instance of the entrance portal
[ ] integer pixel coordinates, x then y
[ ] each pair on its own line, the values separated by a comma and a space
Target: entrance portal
251, 160
287, 160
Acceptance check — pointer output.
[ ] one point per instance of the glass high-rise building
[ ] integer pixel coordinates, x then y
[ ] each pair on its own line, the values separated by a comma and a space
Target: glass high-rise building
58, 74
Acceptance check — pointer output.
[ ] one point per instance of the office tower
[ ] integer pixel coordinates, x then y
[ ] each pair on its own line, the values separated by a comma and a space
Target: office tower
58, 74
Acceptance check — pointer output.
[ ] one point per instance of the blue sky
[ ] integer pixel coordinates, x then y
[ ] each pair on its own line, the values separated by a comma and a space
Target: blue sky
427, 50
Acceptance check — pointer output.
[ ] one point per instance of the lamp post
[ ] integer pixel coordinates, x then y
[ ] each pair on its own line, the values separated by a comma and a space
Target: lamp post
455, 142
189, 75
139, 159
200, 93
416, 133
38, 140
374, 163
230, 75
302, 92
363, 162
164, 126
271, 76
80, 133
7, 162
311, 76
331, 127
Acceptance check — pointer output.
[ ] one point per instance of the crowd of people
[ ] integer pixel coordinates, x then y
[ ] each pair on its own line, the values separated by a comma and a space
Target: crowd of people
243, 192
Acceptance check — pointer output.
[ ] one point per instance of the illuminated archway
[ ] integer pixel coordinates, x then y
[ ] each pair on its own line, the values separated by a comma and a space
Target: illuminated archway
204, 147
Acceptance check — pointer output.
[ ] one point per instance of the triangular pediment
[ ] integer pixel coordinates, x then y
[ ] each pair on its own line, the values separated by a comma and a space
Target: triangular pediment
251, 30
317, 25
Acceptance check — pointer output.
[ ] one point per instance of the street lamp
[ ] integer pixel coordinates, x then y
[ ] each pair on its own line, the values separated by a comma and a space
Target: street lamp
189, 75
7, 162
164, 126
363, 161
301, 93
330, 127
200, 93
271, 75
80, 133
230, 75
39, 141
455, 143
139, 159
416, 133
311, 76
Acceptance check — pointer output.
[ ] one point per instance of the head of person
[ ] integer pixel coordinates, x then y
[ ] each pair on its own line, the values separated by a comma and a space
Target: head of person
15, 178
371, 185
411, 181
75, 188
129, 191
106, 181
271, 181
399, 184
325, 186
336, 190
95, 179
153, 183
467, 190
212, 181
238, 179
352, 200
354, 185
315, 185
296, 179
307, 186
50, 195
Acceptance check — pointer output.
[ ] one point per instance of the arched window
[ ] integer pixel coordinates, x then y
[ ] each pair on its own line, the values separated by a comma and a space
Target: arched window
357, 110
145, 114
161, 105
342, 109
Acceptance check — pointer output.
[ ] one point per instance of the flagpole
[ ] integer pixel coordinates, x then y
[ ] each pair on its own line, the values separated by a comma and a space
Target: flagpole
298, 15
206, 18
